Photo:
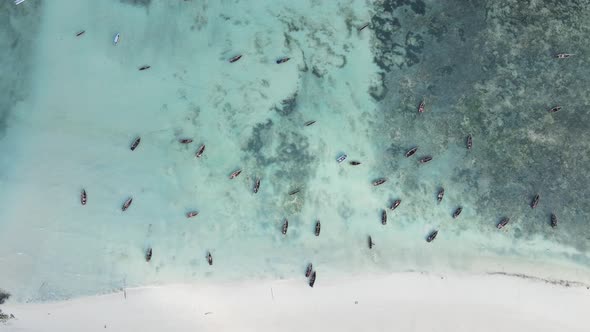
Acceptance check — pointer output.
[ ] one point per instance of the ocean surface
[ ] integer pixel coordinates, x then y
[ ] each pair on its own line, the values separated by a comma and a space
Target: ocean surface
70, 107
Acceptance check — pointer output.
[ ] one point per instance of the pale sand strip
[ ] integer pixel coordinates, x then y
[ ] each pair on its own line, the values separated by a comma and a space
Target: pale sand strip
399, 302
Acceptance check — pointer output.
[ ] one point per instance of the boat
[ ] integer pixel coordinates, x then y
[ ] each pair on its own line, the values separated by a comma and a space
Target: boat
363, 27
235, 58
293, 192
421, 107
80, 33
192, 214
185, 140
135, 144
555, 109
235, 173
127, 204
379, 182
256, 185
200, 151
148, 254
563, 55
312, 279
116, 39
384, 217
535, 201
503, 223
83, 197
209, 258
426, 159
432, 236
553, 220
144, 67
18, 2
395, 204
317, 228
308, 270
440, 194
457, 212
371, 243
469, 142
282, 60
285, 226
341, 158
354, 163
309, 123
411, 152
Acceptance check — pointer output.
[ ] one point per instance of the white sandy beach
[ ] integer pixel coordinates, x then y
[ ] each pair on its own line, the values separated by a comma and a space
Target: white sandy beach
409, 302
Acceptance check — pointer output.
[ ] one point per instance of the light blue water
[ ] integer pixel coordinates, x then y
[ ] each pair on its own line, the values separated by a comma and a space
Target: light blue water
73, 105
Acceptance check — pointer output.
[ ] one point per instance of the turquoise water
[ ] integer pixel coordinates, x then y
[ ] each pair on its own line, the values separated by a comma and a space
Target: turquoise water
71, 106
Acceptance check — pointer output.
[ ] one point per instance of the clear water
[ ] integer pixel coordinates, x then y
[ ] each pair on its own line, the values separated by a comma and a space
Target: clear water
71, 106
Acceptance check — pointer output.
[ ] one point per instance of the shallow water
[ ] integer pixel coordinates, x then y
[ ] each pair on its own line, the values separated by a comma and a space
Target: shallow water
482, 68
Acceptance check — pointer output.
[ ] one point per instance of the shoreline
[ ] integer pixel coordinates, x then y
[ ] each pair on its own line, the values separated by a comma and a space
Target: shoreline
412, 301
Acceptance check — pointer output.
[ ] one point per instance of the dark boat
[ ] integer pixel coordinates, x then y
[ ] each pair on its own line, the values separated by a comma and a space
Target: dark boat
395, 204
469, 142
127, 203
363, 27
135, 144
384, 217
80, 33
421, 107
432, 236
185, 140
285, 226
144, 67
318, 226
282, 60
354, 163
200, 151
192, 214
563, 55
209, 258
312, 279
309, 123
440, 195
535, 201
148, 254
294, 191
553, 220
411, 151
555, 109
426, 159
371, 243
503, 223
83, 197
256, 185
235, 173
457, 212
379, 181
308, 270
235, 58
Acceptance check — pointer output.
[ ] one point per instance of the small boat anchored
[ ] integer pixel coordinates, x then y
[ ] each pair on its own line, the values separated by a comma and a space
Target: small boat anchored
235, 174
308, 270
83, 197
440, 195
192, 214
318, 227
235, 58
411, 152
341, 158
503, 223
294, 191
80, 33
379, 182
457, 212
127, 204
144, 67
200, 151
209, 258
432, 236
395, 204
285, 226
363, 27
309, 123
185, 140
535, 201
312, 279
116, 39
563, 55
148, 254
554, 109
553, 220
426, 159
282, 60
135, 143
371, 243
354, 163
383, 217
256, 185
469, 142
421, 107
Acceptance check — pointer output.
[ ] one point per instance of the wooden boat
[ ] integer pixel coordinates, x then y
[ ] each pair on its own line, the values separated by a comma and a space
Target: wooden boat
318, 226
127, 204
235, 58
411, 152
354, 163
312, 279
384, 217
308, 270
503, 223
457, 212
148, 254
535, 201
371, 243
426, 159
563, 55
294, 191
256, 185
421, 107
309, 123
282, 60
116, 39
185, 140
135, 143
83, 197
341, 158
144, 67
553, 220
285, 226
469, 142
440, 195
192, 214
379, 182
209, 258
395, 204
80, 33
235, 174
432, 236
555, 109
200, 151
363, 27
